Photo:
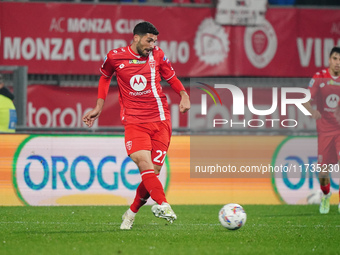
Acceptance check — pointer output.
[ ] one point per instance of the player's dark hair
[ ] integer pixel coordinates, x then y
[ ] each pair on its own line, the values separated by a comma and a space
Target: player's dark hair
145, 28
335, 49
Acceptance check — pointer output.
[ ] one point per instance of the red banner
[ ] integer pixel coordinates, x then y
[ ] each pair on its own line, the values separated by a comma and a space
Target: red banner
64, 107
54, 38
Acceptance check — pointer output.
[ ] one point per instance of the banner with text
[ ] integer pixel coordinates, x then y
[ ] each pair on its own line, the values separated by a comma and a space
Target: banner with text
64, 107
67, 170
62, 38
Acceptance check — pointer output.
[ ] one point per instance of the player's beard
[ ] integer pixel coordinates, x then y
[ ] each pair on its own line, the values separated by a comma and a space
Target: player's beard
335, 70
141, 51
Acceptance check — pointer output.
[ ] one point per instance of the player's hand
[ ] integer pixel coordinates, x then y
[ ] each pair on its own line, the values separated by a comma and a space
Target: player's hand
184, 105
91, 116
316, 114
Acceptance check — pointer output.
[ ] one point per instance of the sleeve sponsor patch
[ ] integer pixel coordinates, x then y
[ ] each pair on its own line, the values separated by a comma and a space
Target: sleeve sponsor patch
104, 61
166, 59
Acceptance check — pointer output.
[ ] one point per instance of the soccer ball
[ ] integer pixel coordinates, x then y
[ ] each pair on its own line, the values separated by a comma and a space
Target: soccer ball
314, 197
232, 216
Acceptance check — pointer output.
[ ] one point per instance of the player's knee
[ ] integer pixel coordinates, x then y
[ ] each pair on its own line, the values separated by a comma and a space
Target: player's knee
142, 160
144, 164
323, 175
157, 169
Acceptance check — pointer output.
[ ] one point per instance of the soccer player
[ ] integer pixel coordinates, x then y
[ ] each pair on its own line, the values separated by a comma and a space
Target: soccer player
144, 112
325, 91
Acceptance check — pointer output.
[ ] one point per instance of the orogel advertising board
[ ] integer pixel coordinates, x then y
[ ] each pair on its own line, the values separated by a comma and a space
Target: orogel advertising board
296, 171
63, 170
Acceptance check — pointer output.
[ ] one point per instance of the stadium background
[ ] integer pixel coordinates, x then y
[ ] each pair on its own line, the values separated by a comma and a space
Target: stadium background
63, 44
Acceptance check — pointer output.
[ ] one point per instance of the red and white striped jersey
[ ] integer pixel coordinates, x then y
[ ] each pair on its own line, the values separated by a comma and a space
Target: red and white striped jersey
325, 91
140, 93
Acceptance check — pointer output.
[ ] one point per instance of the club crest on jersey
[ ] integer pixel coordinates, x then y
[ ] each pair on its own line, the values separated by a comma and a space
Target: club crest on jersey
128, 145
152, 64
138, 82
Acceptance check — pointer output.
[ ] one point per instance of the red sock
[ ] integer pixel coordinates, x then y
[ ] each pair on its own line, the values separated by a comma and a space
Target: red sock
153, 186
141, 197
325, 189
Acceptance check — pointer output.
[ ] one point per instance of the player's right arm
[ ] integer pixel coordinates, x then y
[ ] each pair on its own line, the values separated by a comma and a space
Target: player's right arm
103, 88
315, 113
314, 89
92, 115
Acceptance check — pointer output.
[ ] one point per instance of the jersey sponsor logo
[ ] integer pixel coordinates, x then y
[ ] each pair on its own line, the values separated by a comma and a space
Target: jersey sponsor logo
121, 66
211, 42
332, 100
311, 83
104, 61
332, 82
136, 61
260, 43
140, 93
138, 82
166, 60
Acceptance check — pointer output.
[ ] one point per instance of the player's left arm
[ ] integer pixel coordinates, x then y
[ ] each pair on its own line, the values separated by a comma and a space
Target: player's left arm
177, 85
184, 105
168, 73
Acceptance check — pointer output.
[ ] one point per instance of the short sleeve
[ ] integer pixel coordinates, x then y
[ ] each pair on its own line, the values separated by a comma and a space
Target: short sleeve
314, 84
166, 69
107, 69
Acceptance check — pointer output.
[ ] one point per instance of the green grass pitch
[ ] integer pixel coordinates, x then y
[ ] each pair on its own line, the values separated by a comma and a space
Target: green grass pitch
279, 229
